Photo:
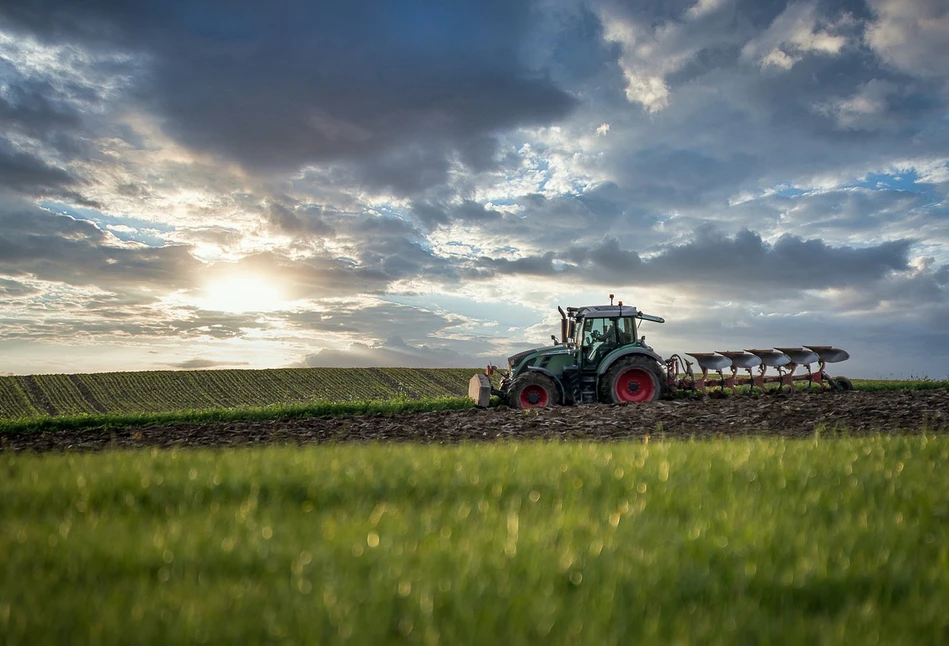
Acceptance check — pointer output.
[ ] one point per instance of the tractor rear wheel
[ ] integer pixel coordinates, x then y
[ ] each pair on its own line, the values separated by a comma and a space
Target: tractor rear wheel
532, 390
631, 379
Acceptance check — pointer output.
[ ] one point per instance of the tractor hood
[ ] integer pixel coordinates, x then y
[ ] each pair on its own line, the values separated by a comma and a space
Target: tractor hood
534, 355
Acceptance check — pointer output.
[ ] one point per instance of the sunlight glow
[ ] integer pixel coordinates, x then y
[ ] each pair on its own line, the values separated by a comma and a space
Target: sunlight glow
239, 293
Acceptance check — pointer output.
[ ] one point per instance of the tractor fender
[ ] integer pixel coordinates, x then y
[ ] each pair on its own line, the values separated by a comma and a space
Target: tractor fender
619, 353
553, 377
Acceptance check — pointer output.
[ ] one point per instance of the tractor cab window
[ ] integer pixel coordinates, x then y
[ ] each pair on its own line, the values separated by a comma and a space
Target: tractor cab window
601, 335
626, 330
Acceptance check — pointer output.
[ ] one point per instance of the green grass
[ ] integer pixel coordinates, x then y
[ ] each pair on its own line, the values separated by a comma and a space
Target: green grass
874, 385
742, 541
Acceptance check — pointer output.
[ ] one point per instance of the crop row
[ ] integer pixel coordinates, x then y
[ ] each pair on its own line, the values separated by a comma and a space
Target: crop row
160, 391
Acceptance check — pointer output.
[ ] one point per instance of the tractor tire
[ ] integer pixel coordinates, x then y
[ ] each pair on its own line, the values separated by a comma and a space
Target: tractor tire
532, 390
843, 383
631, 379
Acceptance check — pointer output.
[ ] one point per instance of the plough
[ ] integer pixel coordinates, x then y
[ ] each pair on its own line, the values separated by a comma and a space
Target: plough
755, 362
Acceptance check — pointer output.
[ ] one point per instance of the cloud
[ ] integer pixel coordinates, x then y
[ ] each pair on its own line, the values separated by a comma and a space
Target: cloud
277, 87
746, 262
912, 36
394, 352
16, 289
25, 172
742, 266
204, 364
40, 244
35, 108
795, 33
652, 48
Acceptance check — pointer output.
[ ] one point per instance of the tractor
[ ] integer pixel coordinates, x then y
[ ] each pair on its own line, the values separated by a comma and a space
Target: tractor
600, 357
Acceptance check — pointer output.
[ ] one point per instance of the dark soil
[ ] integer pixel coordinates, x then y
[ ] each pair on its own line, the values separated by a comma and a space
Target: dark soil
799, 415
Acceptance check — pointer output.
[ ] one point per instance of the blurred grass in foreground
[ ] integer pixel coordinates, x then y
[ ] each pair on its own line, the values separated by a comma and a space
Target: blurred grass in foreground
740, 541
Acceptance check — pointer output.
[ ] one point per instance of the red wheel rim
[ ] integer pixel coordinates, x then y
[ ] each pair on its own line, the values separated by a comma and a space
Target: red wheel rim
635, 385
534, 396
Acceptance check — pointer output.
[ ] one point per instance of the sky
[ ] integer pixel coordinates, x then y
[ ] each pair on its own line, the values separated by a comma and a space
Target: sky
239, 184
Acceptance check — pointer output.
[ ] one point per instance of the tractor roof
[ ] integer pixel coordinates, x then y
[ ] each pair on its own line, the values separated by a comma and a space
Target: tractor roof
605, 311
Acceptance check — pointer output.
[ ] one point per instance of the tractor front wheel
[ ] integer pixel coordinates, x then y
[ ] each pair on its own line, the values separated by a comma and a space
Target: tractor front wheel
631, 379
533, 391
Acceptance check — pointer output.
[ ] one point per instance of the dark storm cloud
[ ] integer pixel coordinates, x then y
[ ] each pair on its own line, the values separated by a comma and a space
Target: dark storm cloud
34, 108
58, 248
789, 263
527, 266
297, 220
24, 172
395, 248
731, 265
47, 100
396, 87
432, 214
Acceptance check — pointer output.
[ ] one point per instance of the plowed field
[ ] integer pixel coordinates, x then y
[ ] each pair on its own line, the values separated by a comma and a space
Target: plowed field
798, 415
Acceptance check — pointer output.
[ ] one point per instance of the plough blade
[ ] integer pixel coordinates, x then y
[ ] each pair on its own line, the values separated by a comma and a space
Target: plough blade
711, 361
742, 359
829, 354
772, 358
800, 356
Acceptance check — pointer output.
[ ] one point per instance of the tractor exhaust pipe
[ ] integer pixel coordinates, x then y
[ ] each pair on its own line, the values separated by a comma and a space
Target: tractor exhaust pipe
563, 325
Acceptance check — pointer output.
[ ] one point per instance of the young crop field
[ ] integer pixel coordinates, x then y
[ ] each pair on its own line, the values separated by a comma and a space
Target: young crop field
752, 540
167, 391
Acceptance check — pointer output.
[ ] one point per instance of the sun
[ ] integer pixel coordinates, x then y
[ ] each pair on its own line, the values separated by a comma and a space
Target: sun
240, 293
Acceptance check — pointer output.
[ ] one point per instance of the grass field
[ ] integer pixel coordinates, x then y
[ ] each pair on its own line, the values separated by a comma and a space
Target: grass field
742, 541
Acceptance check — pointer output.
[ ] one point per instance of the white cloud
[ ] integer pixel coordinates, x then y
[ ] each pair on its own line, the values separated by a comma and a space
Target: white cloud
912, 36
795, 32
867, 108
650, 53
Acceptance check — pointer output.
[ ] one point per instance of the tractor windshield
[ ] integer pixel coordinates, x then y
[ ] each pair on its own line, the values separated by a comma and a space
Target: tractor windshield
599, 336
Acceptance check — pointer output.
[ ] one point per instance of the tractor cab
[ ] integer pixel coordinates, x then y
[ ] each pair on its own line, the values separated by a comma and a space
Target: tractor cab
599, 330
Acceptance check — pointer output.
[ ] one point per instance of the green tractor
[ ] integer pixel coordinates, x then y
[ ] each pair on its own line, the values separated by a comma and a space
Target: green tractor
600, 358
